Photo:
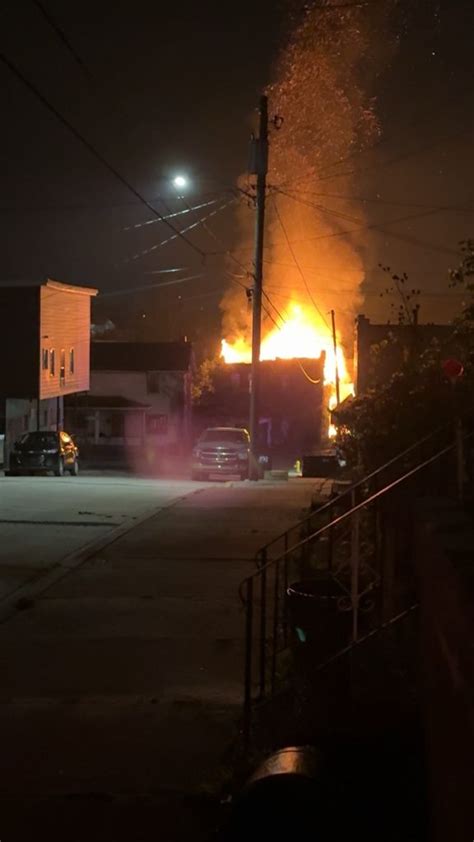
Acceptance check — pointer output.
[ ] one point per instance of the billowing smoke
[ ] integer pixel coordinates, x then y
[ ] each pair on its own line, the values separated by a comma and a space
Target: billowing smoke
324, 92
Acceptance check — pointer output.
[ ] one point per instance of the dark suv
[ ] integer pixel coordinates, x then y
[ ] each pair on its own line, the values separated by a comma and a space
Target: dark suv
222, 450
42, 451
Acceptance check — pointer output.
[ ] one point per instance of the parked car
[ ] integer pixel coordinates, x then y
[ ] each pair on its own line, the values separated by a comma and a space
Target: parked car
221, 450
43, 451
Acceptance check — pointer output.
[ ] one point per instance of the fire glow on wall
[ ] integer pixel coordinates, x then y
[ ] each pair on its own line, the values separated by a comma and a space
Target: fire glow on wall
303, 335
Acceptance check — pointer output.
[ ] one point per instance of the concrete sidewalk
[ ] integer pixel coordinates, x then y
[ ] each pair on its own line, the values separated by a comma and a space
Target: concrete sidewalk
121, 686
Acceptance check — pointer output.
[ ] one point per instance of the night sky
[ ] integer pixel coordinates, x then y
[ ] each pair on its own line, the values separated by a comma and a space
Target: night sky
160, 89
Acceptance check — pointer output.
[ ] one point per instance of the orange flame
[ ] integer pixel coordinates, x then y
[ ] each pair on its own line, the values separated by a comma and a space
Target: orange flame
301, 336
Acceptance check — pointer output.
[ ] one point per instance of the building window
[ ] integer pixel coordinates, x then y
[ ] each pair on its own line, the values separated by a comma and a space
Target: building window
157, 425
62, 367
52, 362
45, 359
153, 382
71, 361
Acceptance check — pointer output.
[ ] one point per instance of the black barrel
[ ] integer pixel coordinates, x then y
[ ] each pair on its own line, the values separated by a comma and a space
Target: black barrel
315, 612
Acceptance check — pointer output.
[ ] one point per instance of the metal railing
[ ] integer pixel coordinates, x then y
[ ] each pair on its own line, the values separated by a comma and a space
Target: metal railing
377, 478
363, 551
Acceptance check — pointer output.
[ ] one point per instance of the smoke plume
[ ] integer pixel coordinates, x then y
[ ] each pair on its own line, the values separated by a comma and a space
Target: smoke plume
323, 91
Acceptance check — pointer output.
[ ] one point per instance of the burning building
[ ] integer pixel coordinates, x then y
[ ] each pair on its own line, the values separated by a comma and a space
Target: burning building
292, 407
303, 336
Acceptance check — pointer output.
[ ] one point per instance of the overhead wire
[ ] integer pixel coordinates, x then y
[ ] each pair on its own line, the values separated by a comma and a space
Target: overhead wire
151, 286
170, 215
303, 276
218, 240
59, 208
380, 228
379, 201
375, 165
178, 233
93, 151
62, 36
166, 271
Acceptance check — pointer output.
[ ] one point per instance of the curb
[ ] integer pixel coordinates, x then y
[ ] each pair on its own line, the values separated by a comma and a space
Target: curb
32, 589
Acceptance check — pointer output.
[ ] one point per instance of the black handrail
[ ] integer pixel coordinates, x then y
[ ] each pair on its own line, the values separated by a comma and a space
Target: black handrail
351, 511
330, 503
250, 581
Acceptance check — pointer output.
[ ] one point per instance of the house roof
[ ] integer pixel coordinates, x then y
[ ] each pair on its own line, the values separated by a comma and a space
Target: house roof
50, 284
103, 402
108, 355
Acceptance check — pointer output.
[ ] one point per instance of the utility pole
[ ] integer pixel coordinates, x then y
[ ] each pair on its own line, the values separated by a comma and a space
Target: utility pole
334, 340
258, 167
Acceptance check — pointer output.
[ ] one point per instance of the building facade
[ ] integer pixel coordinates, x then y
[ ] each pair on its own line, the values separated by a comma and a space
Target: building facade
400, 340
139, 404
44, 341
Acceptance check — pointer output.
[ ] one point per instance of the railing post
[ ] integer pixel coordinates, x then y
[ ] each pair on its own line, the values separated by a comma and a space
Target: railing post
355, 562
285, 588
276, 617
263, 630
330, 548
248, 661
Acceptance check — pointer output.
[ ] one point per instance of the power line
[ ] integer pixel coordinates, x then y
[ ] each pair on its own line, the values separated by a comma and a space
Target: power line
227, 252
425, 147
96, 154
130, 290
61, 35
378, 200
185, 230
381, 229
87, 207
166, 271
347, 217
279, 293
298, 265
170, 215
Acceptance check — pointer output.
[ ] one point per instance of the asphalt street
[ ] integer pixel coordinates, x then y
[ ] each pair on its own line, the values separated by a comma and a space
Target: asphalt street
45, 519
121, 684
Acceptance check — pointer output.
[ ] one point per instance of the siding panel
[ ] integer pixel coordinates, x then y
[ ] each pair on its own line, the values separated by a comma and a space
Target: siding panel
65, 324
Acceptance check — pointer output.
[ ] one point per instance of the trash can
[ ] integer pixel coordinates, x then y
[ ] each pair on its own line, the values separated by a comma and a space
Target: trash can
316, 617
321, 465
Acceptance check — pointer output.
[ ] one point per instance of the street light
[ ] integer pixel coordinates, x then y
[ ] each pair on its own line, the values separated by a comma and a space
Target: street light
180, 181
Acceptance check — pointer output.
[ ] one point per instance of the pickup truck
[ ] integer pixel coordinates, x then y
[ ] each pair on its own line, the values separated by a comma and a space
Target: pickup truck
221, 451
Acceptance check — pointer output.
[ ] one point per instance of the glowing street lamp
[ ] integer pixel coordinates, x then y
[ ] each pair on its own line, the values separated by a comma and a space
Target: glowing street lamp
180, 181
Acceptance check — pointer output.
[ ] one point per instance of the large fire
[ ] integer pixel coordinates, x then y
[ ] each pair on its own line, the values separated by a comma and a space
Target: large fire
302, 336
